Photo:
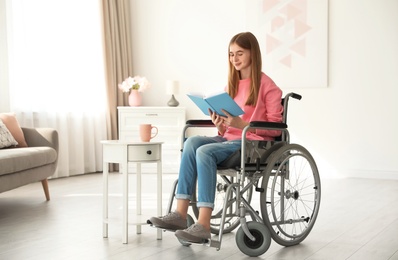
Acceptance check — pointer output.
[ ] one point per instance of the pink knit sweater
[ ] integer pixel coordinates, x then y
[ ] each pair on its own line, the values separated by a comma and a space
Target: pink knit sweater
268, 109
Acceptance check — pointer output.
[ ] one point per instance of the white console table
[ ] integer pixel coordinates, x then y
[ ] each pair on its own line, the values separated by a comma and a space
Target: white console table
123, 152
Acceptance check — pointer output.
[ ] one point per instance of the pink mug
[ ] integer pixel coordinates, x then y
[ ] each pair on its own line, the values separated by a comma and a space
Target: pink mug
146, 132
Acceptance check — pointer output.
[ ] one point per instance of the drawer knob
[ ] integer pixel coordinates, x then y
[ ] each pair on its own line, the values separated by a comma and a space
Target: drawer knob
149, 152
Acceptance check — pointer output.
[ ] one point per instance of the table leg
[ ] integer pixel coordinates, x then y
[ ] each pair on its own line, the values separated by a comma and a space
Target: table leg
139, 208
105, 174
125, 200
159, 193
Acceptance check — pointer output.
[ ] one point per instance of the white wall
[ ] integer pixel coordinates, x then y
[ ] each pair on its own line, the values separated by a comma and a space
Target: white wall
4, 101
350, 127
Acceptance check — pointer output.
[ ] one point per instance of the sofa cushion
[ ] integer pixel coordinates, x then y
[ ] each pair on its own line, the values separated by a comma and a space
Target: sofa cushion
13, 126
6, 138
19, 159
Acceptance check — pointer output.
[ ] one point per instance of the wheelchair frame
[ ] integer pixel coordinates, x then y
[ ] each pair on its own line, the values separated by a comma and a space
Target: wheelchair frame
288, 210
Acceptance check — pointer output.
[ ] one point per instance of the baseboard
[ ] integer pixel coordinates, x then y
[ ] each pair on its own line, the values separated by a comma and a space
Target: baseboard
366, 174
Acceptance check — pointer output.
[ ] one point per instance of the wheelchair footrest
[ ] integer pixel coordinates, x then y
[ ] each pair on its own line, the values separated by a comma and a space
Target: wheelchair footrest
211, 243
215, 243
203, 242
206, 242
164, 229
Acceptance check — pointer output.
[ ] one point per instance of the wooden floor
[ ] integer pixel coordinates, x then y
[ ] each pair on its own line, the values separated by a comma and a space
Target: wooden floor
358, 220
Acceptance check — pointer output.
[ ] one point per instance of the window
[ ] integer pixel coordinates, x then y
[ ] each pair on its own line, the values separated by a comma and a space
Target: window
56, 67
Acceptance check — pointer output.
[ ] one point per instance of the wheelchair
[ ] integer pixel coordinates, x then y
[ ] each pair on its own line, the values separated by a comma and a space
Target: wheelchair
284, 175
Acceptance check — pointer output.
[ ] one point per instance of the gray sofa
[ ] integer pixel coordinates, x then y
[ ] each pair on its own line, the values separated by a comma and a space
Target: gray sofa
37, 162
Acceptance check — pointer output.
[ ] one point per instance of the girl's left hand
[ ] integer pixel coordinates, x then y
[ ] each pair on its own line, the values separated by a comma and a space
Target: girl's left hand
234, 121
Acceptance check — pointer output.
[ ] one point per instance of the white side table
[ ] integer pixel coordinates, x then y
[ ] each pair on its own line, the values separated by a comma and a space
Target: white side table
123, 152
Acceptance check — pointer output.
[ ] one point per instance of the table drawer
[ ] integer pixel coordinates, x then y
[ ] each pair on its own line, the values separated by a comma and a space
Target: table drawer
143, 153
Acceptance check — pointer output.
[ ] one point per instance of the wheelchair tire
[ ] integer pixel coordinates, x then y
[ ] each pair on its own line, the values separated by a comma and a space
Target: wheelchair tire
232, 221
258, 246
292, 194
190, 221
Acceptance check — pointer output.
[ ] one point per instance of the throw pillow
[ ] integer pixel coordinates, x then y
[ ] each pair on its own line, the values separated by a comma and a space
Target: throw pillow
6, 139
12, 125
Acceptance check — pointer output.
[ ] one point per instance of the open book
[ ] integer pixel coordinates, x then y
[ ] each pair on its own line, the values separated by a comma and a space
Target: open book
217, 102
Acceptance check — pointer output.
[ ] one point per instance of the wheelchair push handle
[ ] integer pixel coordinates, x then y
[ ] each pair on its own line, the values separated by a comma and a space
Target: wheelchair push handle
294, 95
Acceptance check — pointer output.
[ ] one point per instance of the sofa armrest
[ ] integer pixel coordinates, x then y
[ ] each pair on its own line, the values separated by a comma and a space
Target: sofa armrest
41, 137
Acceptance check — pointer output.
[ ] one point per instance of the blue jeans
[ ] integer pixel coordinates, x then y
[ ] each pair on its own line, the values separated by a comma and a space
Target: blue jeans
200, 157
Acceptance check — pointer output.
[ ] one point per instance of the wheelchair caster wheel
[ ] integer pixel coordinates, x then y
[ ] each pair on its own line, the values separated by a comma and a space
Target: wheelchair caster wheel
261, 243
190, 221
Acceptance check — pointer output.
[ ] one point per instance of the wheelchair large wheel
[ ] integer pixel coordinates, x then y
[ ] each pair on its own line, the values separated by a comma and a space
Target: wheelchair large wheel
232, 220
292, 194
261, 243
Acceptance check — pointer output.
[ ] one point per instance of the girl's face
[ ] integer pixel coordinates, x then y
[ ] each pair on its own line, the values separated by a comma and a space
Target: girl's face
240, 58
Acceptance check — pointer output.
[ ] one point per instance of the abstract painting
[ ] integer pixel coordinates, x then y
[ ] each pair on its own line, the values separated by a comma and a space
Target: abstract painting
293, 37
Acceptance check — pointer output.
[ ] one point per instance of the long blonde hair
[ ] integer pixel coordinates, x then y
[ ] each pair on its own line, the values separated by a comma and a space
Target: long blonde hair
248, 41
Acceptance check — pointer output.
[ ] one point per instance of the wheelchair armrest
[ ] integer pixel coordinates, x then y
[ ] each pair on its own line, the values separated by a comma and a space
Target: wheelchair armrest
193, 123
207, 122
200, 122
263, 124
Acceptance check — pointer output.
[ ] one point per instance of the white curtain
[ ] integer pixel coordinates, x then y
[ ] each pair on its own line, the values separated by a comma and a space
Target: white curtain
57, 76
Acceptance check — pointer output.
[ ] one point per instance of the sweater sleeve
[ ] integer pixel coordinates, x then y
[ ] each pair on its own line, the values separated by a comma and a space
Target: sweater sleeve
268, 107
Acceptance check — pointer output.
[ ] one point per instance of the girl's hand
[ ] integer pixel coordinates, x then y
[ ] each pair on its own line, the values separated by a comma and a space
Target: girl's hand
215, 118
218, 121
234, 121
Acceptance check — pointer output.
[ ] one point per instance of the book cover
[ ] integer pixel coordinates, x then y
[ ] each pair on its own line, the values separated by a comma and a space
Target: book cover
216, 103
